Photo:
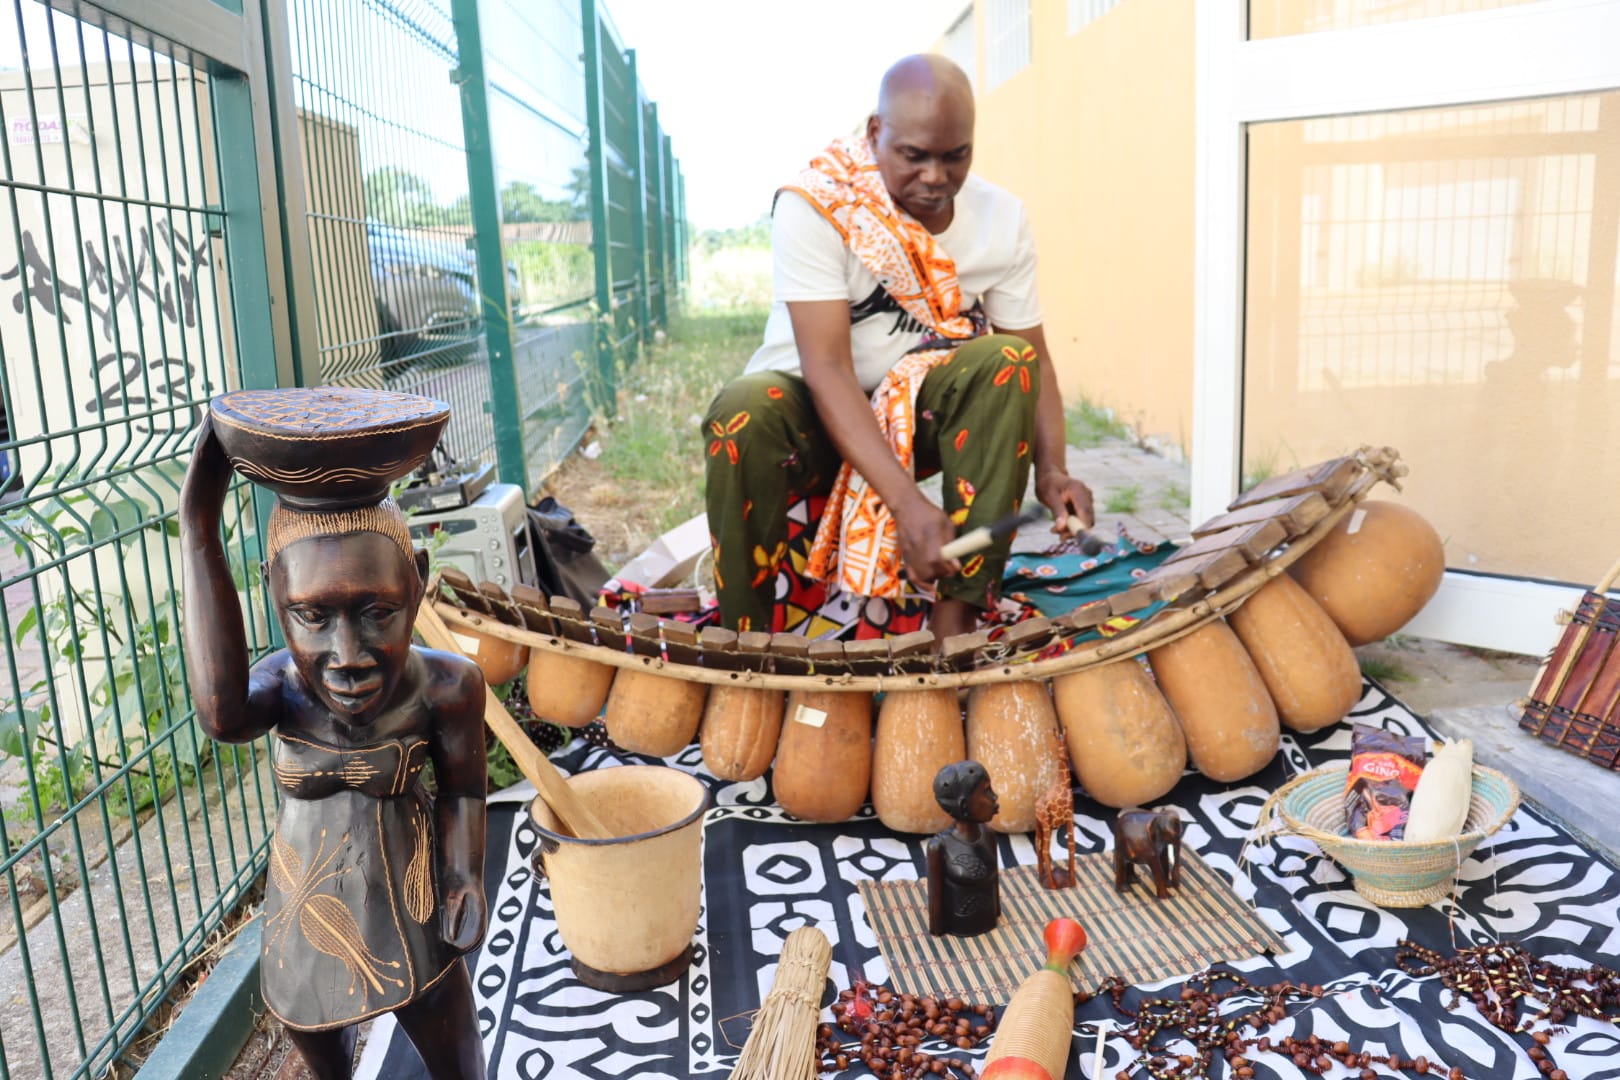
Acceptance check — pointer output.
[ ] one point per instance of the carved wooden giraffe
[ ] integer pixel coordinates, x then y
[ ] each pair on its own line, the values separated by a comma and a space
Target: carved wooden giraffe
1054, 810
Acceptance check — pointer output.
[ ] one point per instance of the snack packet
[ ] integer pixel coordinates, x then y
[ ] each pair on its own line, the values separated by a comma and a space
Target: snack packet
1384, 771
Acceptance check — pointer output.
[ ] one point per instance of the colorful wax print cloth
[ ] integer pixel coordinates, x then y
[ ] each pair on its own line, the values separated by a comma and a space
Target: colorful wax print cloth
858, 539
973, 422
766, 874
1062, 578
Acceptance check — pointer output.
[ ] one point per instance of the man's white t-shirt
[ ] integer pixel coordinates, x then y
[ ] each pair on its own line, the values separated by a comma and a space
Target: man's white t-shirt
988, 239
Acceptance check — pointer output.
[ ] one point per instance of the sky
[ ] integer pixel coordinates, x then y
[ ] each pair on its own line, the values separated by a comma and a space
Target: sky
748, 90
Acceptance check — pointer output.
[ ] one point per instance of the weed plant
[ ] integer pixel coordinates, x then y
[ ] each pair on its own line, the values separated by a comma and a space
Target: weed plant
1089, 424
1123, 500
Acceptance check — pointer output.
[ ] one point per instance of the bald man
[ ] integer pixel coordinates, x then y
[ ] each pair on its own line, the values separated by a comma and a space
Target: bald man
904, 339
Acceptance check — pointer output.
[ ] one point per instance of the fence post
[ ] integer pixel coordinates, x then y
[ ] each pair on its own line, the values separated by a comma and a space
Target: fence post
644, 289
659, 253
682, 254
484, 197
666, 176
596, 160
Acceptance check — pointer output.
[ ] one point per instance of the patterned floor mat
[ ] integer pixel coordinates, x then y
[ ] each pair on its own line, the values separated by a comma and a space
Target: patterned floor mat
766, 874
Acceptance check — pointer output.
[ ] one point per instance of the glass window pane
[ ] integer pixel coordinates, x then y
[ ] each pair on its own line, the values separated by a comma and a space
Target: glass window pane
1444, 281
1281, 18
1007, 45
962, 45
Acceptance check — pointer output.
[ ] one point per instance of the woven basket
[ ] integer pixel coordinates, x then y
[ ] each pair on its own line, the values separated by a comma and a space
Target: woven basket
1390, 873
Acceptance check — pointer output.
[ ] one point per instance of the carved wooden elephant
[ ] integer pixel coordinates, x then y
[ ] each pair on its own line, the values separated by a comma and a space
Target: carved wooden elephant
1152, 838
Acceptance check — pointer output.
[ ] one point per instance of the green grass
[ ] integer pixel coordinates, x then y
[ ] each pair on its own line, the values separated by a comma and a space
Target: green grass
653, 449
1122, 500
1089, 424
1174, 497
1385, 670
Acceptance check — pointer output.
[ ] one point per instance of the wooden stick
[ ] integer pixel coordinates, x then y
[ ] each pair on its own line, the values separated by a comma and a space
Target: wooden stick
985, 535
534, 765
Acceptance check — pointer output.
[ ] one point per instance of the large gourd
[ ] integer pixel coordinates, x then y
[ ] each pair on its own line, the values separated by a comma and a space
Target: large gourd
824, 761
1225, 712
566, 688
1123, 739
1308, 668
741, 724
1009, 731
500, 660
919, 732
653, 714
1374, 571
741, 727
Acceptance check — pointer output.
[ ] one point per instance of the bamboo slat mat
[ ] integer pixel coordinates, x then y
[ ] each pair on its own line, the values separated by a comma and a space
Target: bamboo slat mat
1132, 935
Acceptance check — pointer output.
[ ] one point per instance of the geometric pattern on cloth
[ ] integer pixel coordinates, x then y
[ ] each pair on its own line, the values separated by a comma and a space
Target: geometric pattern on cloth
1132, 935
858, 543
821, 610
766, 874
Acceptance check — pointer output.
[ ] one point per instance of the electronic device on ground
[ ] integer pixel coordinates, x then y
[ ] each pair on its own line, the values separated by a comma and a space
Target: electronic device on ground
487, 539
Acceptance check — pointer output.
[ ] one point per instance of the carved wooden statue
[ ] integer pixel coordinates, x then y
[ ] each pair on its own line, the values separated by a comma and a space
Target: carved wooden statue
1152, 838
375, 889
1054, 811
964, 888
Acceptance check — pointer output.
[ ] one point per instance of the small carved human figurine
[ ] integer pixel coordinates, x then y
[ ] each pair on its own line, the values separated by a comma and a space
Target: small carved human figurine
964, 890
375, 889
1054, 811
1152, 838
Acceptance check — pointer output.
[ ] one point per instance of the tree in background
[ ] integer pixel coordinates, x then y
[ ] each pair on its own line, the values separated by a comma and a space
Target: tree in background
398, 197
755, 236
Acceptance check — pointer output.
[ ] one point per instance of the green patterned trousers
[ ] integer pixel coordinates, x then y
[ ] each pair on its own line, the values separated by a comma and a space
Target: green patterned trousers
767, 449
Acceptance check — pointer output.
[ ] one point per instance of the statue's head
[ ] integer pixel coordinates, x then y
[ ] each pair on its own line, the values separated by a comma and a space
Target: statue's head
346, 586
963, 791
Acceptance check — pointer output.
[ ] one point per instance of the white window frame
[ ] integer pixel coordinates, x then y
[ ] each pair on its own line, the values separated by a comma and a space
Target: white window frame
1551, 47
967, 59
1082, 13
1006, 21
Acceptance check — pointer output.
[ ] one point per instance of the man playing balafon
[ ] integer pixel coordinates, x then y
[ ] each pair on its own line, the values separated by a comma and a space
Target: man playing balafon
905, 338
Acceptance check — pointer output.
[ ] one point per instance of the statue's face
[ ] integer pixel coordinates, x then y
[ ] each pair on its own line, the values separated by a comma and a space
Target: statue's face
982, 804
347, 605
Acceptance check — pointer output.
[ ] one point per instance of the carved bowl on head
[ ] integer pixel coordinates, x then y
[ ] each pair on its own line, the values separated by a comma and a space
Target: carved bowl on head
327, 447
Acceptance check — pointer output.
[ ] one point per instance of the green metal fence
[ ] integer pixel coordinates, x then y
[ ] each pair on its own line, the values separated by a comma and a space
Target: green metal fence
468, 199
134, 261
626, 167
475, 203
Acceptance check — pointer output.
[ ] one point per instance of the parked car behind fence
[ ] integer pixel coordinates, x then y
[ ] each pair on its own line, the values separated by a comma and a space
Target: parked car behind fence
427, 298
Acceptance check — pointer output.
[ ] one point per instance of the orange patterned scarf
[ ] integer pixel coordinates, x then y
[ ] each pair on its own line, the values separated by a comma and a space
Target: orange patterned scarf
858, 540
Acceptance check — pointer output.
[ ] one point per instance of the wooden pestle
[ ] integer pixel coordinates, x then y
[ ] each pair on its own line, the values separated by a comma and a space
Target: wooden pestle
575, 816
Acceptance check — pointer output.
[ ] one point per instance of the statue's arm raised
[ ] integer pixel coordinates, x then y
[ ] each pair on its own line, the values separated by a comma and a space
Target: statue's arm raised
460, 770
233, 704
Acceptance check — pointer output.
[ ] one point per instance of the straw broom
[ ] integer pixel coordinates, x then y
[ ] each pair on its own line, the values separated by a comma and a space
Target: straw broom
782, 1044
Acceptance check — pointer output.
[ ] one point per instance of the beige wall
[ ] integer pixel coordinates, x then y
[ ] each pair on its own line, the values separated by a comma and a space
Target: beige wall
1096, 135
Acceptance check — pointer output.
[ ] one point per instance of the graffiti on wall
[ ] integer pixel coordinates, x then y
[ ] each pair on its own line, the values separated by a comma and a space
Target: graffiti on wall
137, 292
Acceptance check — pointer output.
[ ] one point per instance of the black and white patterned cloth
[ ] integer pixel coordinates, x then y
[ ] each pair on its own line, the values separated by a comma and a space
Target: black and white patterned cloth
766, 874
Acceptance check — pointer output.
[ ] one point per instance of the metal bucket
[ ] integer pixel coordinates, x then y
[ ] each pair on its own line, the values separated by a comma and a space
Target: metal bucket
626, 907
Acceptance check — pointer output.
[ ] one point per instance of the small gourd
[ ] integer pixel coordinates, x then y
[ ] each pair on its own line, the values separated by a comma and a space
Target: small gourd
1440, 801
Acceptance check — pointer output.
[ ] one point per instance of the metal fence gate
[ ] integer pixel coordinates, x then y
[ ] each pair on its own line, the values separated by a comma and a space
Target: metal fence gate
461, 198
